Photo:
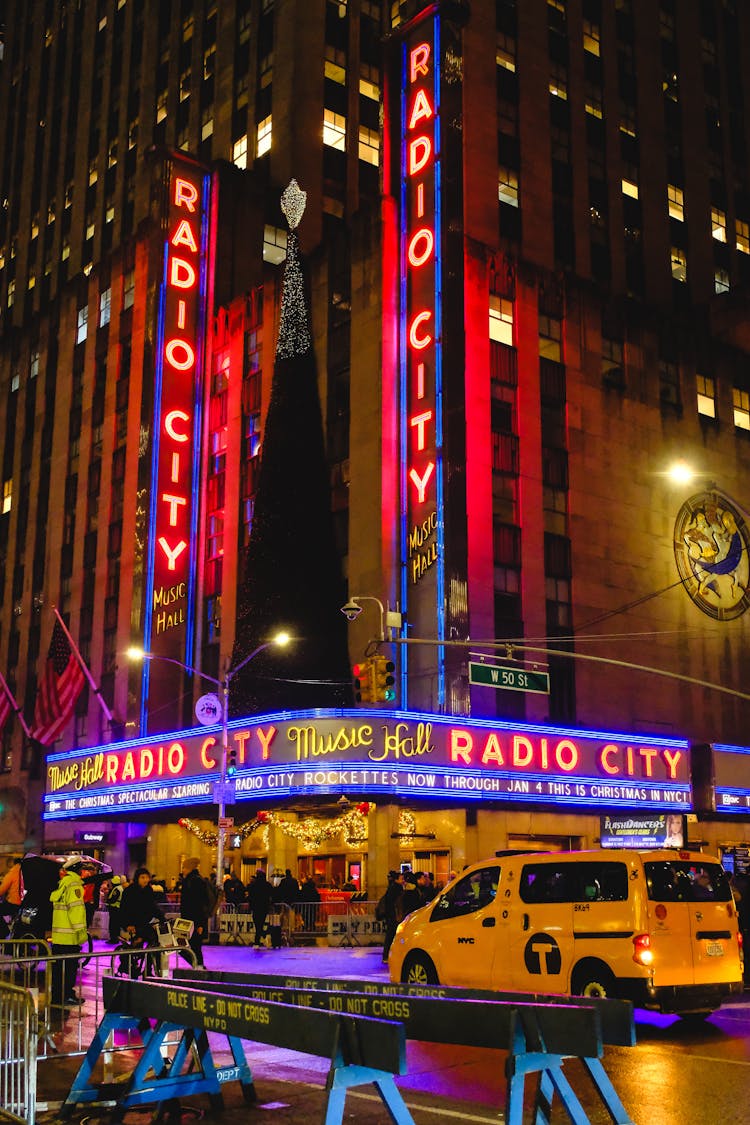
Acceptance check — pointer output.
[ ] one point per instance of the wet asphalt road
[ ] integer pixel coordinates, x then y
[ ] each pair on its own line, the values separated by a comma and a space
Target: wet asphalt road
676, 1075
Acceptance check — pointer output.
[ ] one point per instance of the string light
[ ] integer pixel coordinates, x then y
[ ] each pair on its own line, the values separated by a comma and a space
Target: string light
311, 832
294, 329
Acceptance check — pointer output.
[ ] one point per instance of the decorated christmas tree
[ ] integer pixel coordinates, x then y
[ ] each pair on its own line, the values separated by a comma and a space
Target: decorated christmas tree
292, 577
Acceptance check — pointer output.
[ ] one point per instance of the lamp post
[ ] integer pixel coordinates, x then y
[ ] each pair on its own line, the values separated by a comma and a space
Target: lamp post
224, 684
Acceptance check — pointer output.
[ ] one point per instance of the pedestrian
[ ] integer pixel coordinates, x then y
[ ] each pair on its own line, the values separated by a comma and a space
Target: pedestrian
234, 891
139, 914
114, 899
393, 906
11, 892
411, 899
68, 931
259, 898
427, 889
195, 905
309, 891
288, 889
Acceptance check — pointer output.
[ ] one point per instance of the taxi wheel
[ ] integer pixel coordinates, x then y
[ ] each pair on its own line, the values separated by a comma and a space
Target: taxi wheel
593, 979
418, 969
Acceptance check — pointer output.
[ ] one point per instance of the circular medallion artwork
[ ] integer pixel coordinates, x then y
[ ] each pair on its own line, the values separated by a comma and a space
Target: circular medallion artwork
711, 551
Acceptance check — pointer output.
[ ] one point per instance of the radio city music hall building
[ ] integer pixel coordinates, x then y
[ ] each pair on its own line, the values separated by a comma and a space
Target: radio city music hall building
527, 239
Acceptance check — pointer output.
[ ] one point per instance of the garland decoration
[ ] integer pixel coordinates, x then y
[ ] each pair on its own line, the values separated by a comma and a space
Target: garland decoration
310, 832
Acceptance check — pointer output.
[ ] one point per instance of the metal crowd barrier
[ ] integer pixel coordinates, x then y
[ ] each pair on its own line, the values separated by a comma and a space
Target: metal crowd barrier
236, 925
18, 1058
335, 922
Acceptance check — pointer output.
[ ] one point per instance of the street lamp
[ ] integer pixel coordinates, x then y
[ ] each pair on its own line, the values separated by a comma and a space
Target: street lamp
280, 640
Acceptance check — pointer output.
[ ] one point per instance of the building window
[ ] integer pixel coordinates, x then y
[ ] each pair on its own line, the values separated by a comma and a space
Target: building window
274, 244
369, 86
369, 145
335, 65
741, 405
558, 81
593, 104
501, 320
11, 293
507, 186
669, 383
128, 292
93, 171
34, 365
265, 131
743, 236
675, 202
161, 106
679, 264
591, 37
718, 224
207, 123
721, 281
82, 324
239, 152
706, 393
334, 130
629, 187
7, 496
613, 370
105, 307
550, 338
505, 52
185, 79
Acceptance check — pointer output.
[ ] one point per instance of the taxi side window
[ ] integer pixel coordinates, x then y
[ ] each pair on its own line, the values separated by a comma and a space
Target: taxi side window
574, 882
472, 893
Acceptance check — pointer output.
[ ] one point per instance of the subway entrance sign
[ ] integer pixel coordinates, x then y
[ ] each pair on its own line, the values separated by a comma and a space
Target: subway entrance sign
508, 677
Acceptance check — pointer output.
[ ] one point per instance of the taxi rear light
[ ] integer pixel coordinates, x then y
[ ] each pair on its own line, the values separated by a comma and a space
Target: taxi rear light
642, 952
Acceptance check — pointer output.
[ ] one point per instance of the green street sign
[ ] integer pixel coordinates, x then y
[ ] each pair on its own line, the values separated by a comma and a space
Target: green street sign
513, 679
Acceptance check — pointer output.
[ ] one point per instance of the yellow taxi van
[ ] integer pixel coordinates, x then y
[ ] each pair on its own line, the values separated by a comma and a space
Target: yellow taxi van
655, 927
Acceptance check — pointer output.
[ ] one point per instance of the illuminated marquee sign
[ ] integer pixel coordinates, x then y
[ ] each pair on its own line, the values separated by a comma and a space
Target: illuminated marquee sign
175, 461
420, 258
731, 778
394, 753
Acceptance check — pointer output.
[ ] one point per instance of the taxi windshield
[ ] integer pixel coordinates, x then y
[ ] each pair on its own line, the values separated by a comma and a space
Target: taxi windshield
687, 881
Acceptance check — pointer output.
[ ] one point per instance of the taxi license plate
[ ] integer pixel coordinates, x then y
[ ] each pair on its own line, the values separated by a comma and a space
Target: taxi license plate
714, 949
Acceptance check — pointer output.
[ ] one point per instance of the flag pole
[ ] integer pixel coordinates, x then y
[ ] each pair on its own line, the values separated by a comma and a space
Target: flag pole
84, 666
13, 704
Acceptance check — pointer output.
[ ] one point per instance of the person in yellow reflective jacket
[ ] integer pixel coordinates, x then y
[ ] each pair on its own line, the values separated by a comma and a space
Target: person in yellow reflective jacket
68, 931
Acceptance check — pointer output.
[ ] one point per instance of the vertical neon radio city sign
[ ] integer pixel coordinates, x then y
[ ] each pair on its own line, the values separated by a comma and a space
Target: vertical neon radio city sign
175, 459
421, 328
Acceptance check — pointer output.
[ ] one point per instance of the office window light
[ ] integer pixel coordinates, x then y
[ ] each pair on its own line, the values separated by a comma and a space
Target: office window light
334, 130
741, 406
265, 134
675, 202
718, 224
501, 320
706, 396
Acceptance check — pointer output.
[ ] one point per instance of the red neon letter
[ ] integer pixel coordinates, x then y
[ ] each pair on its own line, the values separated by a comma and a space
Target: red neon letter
265, 738
172, 555
207, 762
460, 746
185, 194
184, 236
416, 340
172, 350
174, 502
419, 421
420, 151
418, 60
421, 108
420, 483
169, 426
416, 257
182, 274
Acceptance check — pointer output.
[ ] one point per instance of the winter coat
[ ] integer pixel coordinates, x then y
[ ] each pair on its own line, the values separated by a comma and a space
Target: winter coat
138, 906
259, 894
234, 891
68, 911
10, 888
287, 890
194, 901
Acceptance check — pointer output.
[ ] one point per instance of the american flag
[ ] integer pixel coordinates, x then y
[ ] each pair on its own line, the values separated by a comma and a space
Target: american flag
59, 689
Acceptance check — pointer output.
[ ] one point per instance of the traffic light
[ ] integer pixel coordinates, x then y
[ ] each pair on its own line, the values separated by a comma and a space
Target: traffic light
363, 682
384, 679
231, 761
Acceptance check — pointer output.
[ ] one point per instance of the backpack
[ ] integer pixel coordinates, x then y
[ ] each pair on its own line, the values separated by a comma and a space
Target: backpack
380, 909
